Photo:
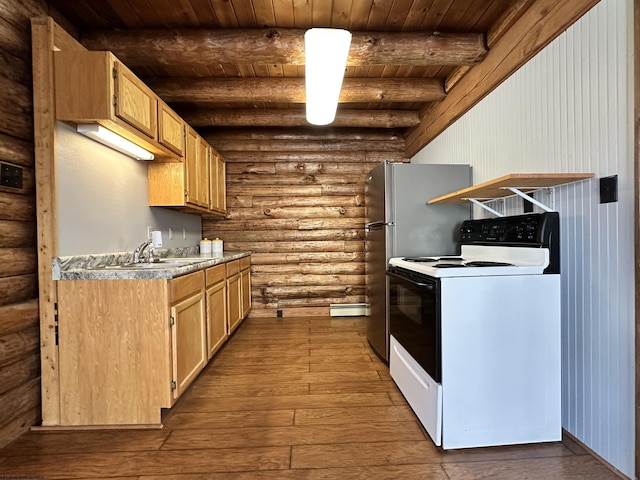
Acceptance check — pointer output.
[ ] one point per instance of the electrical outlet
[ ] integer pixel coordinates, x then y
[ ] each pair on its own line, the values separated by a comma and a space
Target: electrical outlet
10, 176
279, 313
609, 189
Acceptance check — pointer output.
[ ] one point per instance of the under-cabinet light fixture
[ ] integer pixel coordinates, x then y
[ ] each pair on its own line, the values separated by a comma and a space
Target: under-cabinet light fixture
326, 51
115, 141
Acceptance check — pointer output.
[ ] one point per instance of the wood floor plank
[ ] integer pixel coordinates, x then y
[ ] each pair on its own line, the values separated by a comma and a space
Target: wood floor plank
284, 402
258, 390
292, 435
392, 472
346, 366
342, 358
340, 415
260, 369
248, 378
104, 465
363, 454
49, 443
570, 467
354, 387
240, 419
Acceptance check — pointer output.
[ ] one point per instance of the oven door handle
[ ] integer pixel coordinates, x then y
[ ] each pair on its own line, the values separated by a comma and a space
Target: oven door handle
426, 286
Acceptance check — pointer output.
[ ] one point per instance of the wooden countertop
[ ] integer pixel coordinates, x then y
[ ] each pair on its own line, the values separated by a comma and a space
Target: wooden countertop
497, 188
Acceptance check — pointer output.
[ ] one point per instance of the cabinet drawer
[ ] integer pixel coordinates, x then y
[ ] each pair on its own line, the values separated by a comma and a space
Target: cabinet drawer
215, 274
182, 287
245, 262
233, 268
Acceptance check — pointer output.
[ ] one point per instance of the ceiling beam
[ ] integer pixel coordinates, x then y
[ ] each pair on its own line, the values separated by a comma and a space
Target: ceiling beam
297, 118
292, 90
538, 26
277, 46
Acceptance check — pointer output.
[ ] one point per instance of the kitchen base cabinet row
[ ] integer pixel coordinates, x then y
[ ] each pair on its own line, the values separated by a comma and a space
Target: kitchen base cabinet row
128, 348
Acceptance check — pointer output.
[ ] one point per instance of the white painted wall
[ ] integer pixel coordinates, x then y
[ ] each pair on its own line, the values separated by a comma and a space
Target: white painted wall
102, 200
570, 110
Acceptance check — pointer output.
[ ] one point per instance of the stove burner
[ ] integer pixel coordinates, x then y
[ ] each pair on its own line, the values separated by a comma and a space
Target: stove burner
483, 263
449, 265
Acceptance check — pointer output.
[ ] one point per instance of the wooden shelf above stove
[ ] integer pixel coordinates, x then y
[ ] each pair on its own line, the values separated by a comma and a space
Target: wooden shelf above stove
499, 187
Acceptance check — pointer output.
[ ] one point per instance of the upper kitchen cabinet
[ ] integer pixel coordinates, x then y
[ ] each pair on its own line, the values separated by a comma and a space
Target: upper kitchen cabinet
218, 195
95, 88
196, 186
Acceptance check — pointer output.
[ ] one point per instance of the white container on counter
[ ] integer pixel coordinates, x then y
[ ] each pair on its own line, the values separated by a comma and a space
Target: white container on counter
205, 247
217, 246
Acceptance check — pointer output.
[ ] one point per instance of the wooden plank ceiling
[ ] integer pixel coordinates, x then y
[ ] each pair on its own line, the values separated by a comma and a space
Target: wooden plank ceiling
238, 63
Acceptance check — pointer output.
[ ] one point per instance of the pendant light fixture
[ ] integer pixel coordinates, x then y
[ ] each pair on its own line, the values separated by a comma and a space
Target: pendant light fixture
326, 51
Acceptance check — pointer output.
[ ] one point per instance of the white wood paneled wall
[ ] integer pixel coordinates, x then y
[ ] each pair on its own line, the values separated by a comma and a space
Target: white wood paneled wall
570, 109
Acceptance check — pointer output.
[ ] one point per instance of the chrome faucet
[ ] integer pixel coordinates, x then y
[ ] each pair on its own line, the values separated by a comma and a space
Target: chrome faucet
137, 253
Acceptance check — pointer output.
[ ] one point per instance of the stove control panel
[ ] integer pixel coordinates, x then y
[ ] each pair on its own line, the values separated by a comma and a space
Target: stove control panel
534, 229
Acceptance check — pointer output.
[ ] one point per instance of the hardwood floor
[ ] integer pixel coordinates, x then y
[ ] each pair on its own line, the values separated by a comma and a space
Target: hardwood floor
288, 398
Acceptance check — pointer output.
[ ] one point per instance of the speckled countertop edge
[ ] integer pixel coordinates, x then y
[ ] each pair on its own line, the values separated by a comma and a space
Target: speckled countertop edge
87, 267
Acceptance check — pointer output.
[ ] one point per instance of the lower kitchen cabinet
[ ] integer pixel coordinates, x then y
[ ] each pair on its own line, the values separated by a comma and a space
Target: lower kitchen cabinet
216, 295
245, 284
128, 348
188, 330
234, 295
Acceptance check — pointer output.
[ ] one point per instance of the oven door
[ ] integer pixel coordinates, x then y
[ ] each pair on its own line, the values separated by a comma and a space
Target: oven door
414, 317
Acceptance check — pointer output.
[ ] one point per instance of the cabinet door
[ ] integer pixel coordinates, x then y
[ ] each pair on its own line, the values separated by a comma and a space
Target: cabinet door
234, 302
216, 317
188, 335
203, 172
245, 281
191, 167
170, 129
218, 182
135, 103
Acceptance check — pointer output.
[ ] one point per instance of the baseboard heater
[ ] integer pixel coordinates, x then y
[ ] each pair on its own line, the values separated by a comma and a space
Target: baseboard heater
348, 309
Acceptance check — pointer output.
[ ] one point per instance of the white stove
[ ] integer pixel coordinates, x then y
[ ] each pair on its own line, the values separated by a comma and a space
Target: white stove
475, 338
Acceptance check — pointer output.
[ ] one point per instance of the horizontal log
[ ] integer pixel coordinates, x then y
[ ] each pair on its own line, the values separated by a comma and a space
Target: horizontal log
296, 179
238, 168
292, 90
18, 289
350, 268
333, 201
308, 133
290, 312
346, 189
19, 344
308, 291
271, 258
323, 167
20, 70
225, 146
17, 234
304, 280
275, 190
311, 247
295, 118
20, 399
17, 207
18, 424
16, 151
285, 157
18, 316
318, 302
20, 372
18, 261
277, 46
17, 108
13, 39
293, 235
297, 212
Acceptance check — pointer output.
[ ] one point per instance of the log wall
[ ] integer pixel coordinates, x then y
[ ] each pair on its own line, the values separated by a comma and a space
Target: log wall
296, 200
19, 323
